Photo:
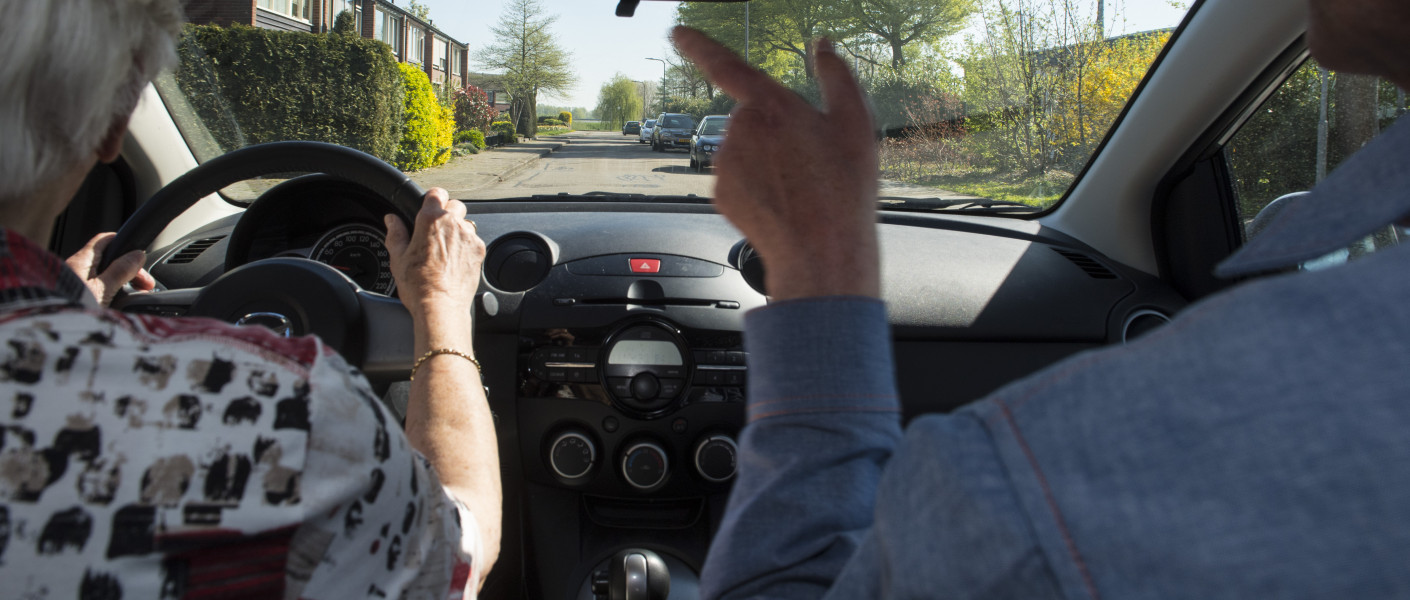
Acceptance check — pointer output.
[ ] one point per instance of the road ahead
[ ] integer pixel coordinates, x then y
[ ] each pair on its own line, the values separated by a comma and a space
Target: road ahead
604, 161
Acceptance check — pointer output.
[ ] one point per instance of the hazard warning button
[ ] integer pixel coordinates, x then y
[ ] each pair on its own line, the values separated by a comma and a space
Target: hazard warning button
646, 265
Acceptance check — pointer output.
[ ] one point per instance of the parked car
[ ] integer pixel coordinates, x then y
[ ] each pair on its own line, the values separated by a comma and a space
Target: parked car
646, 129
980, 290
706, 140
672, 131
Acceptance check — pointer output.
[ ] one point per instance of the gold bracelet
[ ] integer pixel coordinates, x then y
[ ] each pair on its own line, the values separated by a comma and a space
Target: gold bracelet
429, 353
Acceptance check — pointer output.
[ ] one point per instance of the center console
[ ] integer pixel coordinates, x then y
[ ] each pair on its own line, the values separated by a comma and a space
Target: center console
629, 396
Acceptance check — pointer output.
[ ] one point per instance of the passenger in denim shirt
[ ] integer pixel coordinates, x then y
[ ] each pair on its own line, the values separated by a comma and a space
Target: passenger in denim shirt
1256, 447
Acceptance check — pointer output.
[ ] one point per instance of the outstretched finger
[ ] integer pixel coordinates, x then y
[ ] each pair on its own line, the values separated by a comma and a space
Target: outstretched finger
722, 66
843, 98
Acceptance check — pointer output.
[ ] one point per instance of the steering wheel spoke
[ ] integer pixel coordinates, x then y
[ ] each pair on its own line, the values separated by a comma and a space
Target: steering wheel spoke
165, 303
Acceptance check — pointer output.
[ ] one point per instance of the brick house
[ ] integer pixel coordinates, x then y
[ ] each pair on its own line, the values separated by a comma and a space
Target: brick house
494, 90
413, 40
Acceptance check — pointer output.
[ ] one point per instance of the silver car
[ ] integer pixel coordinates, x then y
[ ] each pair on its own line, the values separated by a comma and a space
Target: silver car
646, 127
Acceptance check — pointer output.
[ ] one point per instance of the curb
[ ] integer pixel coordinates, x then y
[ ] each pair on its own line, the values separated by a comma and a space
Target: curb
515, 168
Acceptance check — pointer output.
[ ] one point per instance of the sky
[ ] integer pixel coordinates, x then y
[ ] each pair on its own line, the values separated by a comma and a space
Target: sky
603, 44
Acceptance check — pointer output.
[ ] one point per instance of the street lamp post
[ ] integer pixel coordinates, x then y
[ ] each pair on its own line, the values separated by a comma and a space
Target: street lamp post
663, 81
643, 100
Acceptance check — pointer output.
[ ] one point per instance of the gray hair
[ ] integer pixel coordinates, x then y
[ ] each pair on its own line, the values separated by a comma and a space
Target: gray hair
71, 69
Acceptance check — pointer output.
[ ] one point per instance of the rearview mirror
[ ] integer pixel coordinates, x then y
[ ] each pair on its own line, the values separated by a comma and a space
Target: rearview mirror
627, 8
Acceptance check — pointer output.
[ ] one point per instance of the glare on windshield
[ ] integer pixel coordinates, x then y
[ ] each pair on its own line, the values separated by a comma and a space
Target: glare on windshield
997, 100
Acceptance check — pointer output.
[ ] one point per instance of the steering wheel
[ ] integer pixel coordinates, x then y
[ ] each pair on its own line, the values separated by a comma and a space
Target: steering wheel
296, 295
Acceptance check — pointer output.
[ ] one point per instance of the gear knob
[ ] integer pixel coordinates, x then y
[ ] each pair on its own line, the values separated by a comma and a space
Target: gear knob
633, 574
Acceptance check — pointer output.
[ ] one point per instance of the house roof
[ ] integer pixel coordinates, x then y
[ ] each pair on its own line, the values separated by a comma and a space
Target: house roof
386, 5
486, 81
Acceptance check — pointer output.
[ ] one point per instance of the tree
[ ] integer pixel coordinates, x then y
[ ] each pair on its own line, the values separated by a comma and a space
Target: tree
524, 51
618, 101
345, 23
419, 10
901, 22
788, 27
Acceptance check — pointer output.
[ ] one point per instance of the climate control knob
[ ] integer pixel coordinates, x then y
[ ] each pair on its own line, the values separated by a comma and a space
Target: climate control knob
572, 455
715, 458
644, 466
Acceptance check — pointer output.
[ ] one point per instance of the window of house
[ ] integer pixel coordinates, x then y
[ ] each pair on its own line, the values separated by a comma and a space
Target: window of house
439, 54
391, 33
335, 8
292, 8
417, 47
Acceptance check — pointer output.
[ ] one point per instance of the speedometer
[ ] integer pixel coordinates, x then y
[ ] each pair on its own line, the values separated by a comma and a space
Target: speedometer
360, 253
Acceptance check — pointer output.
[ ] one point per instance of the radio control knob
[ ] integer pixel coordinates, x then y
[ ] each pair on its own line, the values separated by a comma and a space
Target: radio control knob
572, 455
645, 386
644, 466
716, 458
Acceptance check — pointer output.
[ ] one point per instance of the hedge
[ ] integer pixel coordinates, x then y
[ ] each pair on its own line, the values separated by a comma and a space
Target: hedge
506, 131
252, 85
429, 127
566, 117
471, 136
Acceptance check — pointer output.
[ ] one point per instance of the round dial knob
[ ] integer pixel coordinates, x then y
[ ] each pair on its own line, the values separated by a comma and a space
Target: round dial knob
644, 466
645, 386
572, 455
715, 458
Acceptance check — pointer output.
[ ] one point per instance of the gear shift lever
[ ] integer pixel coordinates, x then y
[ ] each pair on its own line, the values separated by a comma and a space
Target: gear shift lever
633, 574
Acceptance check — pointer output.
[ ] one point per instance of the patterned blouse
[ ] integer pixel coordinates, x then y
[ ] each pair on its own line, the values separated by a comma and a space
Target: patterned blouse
145, 457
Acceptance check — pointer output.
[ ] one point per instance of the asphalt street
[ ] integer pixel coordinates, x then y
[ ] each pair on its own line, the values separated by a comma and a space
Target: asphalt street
601, 161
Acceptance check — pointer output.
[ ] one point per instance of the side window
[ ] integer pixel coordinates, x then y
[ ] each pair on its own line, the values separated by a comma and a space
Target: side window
1311, 123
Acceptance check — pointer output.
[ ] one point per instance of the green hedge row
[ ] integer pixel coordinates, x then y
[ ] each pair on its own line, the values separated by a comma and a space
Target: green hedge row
254, 85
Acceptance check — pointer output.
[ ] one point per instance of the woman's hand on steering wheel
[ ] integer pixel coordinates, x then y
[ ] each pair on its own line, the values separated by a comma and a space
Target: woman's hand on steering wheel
125, 269
436, 266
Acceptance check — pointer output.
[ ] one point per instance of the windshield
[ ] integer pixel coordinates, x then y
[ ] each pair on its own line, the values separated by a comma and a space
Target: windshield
678, 123
975, 102
714, 126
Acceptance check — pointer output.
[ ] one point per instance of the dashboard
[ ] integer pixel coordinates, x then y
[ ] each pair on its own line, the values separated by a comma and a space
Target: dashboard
612, 339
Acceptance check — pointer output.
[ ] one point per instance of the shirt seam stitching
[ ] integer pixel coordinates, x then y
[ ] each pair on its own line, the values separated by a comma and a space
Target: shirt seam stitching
1048, 498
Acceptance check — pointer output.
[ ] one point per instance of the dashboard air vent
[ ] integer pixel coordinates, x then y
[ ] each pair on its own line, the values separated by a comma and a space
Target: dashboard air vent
517, 262
1142, 322
1094, 269
192, 251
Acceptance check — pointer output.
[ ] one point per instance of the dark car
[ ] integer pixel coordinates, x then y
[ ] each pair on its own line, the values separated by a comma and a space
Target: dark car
707, 140
672, 130
631, 128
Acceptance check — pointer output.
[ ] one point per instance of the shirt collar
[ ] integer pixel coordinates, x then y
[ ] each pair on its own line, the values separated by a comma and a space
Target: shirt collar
31, 275
1368, 192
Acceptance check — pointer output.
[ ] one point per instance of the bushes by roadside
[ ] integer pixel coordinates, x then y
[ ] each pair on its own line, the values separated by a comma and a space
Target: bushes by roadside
429, 127
506, 131
251, 86
473, 137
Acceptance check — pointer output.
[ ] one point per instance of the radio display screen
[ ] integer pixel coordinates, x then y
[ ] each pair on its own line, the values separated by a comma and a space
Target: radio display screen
644, 352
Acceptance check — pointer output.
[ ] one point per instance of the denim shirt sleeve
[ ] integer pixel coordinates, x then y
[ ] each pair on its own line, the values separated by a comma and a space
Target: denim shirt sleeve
823, 420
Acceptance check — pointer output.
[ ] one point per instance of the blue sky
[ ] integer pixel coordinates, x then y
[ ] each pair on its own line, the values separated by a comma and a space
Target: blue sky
603, 44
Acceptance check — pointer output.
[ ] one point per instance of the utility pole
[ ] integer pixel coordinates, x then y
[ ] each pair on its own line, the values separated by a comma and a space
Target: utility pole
643, 101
